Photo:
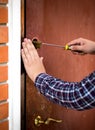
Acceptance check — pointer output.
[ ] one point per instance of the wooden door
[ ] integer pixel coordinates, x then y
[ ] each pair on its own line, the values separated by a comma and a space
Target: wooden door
60, 21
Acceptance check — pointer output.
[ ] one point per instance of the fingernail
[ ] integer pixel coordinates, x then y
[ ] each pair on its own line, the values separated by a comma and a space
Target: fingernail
29, 40
70, 47
23, 43
25, 39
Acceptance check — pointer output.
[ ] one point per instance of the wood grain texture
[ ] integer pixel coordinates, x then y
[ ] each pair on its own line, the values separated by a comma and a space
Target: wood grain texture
59, 22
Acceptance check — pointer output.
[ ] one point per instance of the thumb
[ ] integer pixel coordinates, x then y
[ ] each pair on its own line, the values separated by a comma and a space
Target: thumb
76, 48
41, 59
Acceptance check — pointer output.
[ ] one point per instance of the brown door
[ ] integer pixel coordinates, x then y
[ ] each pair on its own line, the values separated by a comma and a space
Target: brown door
60, 21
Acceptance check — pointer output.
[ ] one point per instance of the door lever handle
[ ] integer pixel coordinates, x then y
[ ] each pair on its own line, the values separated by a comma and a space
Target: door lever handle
51, 119
39, 121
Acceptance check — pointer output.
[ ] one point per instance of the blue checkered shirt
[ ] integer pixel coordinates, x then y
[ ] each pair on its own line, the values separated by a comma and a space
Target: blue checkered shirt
75, 95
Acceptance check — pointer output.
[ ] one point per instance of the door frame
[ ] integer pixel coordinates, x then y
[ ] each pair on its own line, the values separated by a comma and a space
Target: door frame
14, 64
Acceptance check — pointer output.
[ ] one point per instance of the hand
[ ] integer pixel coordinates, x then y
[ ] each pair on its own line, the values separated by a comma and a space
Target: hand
32, 62
82, 46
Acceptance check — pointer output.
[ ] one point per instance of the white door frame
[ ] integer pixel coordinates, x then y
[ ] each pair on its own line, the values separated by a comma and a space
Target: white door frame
14, 64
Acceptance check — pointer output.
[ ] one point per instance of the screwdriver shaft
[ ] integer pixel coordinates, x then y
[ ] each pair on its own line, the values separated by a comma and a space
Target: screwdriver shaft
55, 45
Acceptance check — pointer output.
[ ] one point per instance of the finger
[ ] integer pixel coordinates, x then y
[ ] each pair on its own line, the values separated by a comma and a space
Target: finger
33, 52
27, 47
78, 41
76, 48
29, 43
73, 42
41, 58
23, 57
75, 53
26, 51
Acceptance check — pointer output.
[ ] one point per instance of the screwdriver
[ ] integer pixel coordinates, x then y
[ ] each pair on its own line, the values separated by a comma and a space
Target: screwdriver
38, 44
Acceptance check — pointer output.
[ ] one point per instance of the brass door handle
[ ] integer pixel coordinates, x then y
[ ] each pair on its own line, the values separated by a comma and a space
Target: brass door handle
39, 121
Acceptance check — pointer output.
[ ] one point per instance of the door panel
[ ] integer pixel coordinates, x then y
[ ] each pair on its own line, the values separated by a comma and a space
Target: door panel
60, 21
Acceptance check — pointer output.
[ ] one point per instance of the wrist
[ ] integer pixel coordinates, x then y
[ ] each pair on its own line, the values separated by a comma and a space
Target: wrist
36, 75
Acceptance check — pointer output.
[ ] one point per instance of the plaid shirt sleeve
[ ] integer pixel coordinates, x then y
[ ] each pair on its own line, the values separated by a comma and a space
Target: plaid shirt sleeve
75, 95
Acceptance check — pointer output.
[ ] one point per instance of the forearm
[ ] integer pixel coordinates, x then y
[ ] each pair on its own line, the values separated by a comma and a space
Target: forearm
68, 94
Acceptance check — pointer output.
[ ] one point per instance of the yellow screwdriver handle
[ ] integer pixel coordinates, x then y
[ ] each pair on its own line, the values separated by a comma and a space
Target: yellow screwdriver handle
67, 47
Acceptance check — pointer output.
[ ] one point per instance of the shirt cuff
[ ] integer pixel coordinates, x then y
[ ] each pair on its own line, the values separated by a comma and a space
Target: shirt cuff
40, 78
